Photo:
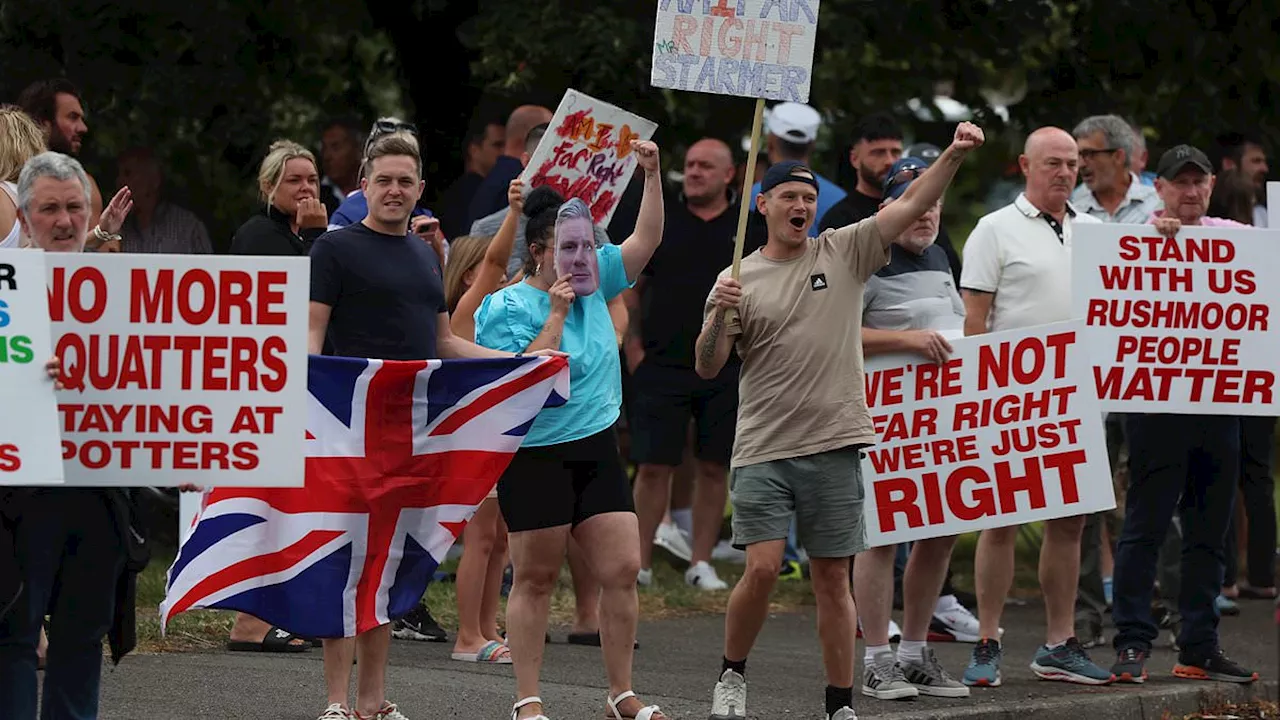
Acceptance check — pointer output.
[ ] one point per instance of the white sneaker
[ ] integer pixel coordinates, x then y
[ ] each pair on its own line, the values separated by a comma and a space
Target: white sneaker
844, 713
335, 712
644, 578
725, 551
956, 620
895, 632
729, 701
669, 538
703, 577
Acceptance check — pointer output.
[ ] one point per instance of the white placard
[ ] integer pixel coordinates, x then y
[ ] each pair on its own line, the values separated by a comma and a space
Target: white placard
1273, 201
29, 453
1007, 432
1181, 325
181, 369
747, 48
586, 153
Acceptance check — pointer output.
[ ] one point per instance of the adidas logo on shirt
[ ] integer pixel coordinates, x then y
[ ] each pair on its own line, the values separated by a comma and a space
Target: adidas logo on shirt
818, 282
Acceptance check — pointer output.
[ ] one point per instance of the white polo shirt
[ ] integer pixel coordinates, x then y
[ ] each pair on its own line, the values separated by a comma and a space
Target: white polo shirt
1018, 254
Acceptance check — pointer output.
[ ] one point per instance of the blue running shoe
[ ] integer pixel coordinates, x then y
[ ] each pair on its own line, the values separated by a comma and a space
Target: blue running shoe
984, 665
1069, 663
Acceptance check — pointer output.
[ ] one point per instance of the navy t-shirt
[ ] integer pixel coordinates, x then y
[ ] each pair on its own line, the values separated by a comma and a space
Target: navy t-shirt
387, 293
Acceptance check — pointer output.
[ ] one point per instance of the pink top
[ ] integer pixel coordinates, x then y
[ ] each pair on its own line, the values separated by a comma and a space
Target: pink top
1207, 221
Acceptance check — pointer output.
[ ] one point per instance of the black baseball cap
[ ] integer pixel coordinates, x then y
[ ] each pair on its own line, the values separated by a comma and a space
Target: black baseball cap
1176, 159
899, 177
785, 172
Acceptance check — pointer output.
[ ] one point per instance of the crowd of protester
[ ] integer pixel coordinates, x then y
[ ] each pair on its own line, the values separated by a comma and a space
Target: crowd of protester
687, 384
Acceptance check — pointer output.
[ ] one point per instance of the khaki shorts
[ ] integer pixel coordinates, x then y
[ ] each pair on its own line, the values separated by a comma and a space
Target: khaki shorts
823, 492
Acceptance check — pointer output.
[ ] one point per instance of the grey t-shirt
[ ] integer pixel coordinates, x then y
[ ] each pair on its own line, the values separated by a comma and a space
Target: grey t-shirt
913, 292
489, 224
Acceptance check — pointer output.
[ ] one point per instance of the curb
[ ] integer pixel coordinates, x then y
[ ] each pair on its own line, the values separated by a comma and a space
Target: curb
1162, 702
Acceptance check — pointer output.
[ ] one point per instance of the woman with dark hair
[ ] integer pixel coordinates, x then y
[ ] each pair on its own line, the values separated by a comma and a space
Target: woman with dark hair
567, 479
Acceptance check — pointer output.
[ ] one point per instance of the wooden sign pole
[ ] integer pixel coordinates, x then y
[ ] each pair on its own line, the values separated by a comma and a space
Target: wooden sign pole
748, 180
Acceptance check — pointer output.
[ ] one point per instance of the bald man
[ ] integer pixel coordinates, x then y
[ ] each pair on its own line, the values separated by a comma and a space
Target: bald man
665, 390
1017, 274
491, 196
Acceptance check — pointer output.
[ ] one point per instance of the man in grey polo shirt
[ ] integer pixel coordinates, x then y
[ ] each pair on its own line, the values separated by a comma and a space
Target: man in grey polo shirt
909, 306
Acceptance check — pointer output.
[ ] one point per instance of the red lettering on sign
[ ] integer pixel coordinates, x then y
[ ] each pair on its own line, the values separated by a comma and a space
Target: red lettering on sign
68, 294
10, 460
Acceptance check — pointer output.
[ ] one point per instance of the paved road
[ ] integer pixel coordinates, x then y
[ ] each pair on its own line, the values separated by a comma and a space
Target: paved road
676, 667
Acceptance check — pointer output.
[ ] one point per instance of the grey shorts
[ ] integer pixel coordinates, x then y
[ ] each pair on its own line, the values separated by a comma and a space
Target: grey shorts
823, 492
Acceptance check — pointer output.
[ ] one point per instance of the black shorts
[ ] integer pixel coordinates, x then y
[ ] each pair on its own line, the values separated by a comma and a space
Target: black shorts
662, 401
564, 484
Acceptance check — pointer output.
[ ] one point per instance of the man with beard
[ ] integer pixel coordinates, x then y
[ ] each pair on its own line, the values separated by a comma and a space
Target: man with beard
491, 196
877, 145
698, 242
908, 306
803, 418
485, 142
340, 144
55, 105
71, 543
1178, 463
1244, 152
1017, 274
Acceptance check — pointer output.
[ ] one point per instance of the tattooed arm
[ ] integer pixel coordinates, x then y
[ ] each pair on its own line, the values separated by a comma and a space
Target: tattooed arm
711, 350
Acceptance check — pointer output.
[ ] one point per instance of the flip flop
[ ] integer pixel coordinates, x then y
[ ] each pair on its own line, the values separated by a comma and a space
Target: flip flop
493, 652
277, 640
591, 639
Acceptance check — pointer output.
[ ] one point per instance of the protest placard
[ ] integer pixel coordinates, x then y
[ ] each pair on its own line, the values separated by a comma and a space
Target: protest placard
586, 153
29, 453
748, 48
1008, 431
181, 369
1180, 325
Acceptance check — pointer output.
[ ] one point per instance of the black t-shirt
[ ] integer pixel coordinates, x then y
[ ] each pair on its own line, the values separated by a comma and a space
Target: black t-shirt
678, 279
454, 206
855, 207
386, 292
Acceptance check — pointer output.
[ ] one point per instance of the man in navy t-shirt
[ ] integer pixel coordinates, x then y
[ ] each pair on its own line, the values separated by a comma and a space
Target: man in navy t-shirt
377, 292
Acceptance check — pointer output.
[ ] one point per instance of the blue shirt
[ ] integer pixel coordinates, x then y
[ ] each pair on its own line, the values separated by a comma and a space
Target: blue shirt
511, 318
491, 196
355, 207
829, 194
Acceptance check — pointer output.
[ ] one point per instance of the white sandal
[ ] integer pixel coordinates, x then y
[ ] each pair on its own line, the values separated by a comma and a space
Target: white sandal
515, 709
645, 713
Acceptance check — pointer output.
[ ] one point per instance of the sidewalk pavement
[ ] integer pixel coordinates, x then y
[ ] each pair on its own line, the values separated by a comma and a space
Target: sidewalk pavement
676, 667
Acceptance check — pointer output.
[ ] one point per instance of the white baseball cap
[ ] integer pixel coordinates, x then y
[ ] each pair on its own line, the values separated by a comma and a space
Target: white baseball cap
793, 122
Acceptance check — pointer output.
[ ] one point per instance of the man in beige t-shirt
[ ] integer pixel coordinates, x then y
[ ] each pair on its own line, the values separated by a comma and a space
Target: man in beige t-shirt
802, 415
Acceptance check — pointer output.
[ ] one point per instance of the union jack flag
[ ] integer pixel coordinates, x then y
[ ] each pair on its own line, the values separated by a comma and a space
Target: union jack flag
399, 455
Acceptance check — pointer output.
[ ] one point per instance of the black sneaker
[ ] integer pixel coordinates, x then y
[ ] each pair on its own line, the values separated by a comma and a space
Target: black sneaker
420, 626
1130, 665
1214, 666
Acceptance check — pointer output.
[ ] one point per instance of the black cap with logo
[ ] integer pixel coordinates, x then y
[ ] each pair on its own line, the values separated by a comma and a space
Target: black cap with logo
1176, 159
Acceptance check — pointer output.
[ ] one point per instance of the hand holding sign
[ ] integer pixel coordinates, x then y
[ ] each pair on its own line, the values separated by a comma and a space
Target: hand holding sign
726, 294
515, 196
54, 368
1167, 226
562, 296
930, 344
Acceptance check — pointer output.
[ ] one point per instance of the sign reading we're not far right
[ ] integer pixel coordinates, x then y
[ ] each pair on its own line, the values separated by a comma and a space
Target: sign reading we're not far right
1182, 325
747, 48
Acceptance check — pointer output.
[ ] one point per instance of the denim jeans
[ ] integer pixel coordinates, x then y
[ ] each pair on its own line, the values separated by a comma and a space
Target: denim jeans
71, 556
1187, 463
1257, 492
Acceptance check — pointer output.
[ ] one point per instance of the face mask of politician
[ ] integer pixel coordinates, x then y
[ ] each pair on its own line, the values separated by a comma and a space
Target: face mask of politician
576, 248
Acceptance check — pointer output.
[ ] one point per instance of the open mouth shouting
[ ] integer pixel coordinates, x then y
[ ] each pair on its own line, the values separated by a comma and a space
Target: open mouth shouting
798, 221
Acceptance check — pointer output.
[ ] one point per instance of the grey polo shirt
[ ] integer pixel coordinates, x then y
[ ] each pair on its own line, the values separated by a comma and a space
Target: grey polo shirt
913, 292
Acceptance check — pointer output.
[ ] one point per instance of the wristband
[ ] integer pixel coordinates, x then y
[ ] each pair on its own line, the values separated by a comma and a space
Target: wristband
104, 236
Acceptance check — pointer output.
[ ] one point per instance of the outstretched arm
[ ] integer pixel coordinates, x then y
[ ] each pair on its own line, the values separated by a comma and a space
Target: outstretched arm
492, 268
897, 216
637, 249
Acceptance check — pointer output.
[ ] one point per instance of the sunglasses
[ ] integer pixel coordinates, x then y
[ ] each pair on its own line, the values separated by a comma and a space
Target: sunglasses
905, 175
386, 127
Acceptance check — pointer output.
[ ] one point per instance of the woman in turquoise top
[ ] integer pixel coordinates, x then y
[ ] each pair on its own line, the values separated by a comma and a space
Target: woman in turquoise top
567, 476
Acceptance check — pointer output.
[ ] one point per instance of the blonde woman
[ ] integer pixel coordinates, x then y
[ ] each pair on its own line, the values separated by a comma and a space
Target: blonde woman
292, 216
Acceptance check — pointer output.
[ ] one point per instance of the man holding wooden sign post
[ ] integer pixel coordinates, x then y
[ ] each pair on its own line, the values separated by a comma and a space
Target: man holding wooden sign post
802, 417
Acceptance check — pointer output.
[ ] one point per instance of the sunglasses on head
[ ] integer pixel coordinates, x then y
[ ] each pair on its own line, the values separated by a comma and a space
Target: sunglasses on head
905, 175
386, 127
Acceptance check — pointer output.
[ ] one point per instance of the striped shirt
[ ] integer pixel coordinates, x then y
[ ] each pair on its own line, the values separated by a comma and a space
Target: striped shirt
1138, 204
173, 231
913, 292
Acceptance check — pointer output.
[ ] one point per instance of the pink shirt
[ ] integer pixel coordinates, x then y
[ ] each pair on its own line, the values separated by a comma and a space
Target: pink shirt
1207, 221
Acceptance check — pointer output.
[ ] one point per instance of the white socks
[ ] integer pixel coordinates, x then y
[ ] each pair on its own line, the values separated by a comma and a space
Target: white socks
873, 650
911, 651
683, 519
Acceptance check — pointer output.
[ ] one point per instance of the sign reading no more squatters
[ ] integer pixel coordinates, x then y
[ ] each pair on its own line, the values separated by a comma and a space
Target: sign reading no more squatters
1180, 325
1008, 431
586, 153
181, 369
29, 453
748, 48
